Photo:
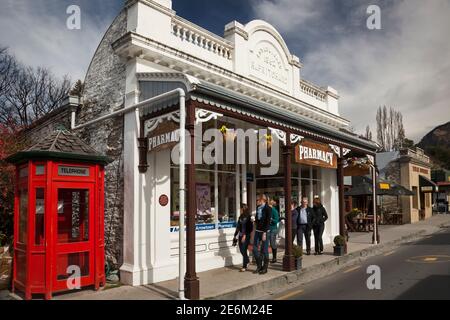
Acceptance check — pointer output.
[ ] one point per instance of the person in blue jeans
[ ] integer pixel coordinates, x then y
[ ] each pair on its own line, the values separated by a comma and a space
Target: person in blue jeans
261, 241
242, 235
274, 221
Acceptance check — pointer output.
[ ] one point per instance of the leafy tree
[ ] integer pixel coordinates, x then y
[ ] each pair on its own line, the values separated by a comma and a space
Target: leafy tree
77, 89
8, 145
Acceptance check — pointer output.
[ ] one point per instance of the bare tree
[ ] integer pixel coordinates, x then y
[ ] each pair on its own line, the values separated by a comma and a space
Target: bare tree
7, 68
390, 129
26, 93
368, 134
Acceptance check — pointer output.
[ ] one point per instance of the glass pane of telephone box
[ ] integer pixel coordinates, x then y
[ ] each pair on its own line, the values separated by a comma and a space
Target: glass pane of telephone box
23, 215
72, 265
39, 217
73, 215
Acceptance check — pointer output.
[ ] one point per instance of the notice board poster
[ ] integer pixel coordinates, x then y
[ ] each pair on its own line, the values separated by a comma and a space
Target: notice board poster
203, 192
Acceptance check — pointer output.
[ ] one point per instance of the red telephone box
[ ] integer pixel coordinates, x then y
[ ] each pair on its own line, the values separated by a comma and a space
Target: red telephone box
58, 216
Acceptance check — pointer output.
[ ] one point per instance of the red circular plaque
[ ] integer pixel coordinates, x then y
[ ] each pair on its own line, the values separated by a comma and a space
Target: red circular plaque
163, 200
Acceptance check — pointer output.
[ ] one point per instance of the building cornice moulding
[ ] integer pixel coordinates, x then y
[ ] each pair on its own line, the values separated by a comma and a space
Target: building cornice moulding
235, 27
189, 81
153, 5
132, 44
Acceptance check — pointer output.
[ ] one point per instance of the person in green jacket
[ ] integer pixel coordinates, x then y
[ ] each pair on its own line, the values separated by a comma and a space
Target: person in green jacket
275, 219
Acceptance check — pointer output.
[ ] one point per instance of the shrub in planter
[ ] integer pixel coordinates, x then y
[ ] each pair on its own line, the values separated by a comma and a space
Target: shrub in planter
339, 245
298, 255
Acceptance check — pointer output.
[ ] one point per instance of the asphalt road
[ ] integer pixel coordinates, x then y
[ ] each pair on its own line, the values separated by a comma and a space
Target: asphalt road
417, 270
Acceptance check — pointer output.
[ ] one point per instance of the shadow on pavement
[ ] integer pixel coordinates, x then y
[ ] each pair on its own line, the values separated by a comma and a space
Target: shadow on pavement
435, 287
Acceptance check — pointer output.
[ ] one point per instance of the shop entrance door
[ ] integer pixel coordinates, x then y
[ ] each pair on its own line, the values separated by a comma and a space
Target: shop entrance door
74, 232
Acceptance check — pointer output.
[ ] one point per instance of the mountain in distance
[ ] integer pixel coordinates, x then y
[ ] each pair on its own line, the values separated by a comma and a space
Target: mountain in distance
436, 144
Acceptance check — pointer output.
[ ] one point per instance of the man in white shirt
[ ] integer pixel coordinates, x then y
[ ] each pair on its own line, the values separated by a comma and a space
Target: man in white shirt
304, 225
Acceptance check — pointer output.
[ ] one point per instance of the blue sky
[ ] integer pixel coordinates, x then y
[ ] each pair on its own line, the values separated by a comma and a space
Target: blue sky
405, 65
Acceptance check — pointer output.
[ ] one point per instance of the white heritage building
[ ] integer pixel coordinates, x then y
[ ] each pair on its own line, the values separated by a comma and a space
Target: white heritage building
247, 78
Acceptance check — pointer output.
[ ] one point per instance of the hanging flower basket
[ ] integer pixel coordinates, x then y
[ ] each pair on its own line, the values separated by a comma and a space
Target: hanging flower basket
357, 167
266, 142
228, 134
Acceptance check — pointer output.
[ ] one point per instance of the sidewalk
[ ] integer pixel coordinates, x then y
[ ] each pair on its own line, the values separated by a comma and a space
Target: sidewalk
228, 283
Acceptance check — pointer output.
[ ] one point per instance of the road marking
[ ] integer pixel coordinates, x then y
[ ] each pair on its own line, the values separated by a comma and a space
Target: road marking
289, 295
389, 253
429, 259
352, 269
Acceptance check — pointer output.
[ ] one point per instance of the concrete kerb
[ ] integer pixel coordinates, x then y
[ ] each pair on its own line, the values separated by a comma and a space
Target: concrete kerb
313, 272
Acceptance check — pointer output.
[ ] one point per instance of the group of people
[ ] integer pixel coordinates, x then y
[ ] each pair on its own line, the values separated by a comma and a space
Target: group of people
264, 228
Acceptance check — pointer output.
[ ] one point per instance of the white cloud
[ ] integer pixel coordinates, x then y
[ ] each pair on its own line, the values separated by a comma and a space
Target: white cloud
289, 14
406, 65
36, 33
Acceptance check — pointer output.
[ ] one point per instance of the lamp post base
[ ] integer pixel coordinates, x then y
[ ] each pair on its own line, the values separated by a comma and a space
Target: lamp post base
288, 263
192, 288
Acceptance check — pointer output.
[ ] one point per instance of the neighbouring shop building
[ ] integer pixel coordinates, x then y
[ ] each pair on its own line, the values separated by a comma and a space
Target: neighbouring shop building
410, 168
246, 79
441, 198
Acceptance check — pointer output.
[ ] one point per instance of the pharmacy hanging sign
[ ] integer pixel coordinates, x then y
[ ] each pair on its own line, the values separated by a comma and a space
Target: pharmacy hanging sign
315, 154
165, 136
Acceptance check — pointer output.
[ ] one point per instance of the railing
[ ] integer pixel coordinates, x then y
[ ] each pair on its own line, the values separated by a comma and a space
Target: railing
312, 90
186, 31
416, 153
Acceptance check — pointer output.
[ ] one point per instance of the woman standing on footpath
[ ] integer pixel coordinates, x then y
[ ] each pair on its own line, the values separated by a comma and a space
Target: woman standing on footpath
242, 235
319, 217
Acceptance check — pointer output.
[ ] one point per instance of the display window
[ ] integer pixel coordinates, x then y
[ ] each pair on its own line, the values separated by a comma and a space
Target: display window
305, 182
215, 196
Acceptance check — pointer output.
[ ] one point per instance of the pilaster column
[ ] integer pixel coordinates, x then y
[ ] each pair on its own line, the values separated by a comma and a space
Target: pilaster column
191, 281
288, 259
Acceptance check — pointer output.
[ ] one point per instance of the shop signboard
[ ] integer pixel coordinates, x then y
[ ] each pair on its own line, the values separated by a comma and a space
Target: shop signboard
426, 189
208, 226
315, 154
384, 186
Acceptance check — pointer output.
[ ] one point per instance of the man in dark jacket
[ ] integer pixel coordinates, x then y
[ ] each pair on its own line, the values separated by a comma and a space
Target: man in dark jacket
304, 225
319, 218
262, 228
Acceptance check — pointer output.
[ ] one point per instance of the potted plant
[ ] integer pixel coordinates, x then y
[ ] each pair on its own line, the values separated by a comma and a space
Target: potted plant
298, 254
339, 245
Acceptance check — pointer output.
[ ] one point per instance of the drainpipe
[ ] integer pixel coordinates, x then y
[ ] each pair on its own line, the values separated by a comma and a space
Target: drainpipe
182, 96
182, 195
